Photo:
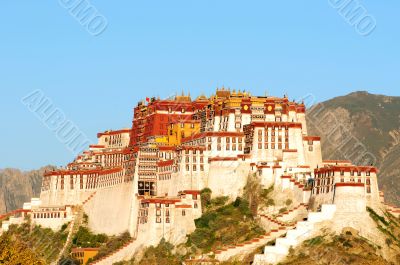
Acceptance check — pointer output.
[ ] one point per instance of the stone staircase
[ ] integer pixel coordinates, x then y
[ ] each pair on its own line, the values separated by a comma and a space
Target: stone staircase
287, 216
292, 214
238, 250
270, 222
302, 231
123, 253
74, 227
89, 198
279, 229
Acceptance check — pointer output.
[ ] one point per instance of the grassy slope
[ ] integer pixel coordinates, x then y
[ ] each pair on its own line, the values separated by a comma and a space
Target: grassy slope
228, 224
42, 244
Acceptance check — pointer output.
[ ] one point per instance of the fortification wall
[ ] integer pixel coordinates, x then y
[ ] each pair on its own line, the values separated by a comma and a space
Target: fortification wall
56, 197
181, 181
171, 186
267, 176
350, 198
228, 178
109, 210
291, 158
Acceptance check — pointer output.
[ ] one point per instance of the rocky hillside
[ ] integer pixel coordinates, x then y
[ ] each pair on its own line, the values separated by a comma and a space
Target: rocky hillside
365, 129
17, 187
336, 249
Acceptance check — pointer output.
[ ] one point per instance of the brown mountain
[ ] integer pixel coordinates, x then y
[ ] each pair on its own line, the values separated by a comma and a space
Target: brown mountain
17, 187
365, 129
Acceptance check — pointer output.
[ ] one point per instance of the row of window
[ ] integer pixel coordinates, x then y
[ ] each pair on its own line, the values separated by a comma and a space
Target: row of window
166, 155
228, 147
78, 255
194, 167
183, 125
194, 159
150, 166
273, 132
144, 158
327, 181
228, 139
164, 177
342, 173
194, 151
144, 218
329, 188
164, 168
273, 146
49, 215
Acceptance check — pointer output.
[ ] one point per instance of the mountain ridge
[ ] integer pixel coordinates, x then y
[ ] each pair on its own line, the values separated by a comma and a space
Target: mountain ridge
17, 187
364, 128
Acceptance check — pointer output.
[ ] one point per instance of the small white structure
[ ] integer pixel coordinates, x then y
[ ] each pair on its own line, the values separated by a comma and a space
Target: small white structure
303, 231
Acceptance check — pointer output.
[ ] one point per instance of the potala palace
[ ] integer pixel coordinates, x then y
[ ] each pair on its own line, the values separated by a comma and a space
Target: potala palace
147, 179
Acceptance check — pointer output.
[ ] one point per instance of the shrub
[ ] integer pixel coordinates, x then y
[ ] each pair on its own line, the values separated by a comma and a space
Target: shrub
205, 195
270, 202
112, 244
85, 218
85, 238
347, 244
219, 201
161, 254
315, 241
63, 227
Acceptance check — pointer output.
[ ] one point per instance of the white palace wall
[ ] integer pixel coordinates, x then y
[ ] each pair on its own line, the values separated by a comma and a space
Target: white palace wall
228, 178
110, 208
349, 198
313, 156
64, 197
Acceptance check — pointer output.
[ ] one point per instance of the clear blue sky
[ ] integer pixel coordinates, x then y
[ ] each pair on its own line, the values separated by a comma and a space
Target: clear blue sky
157, 48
